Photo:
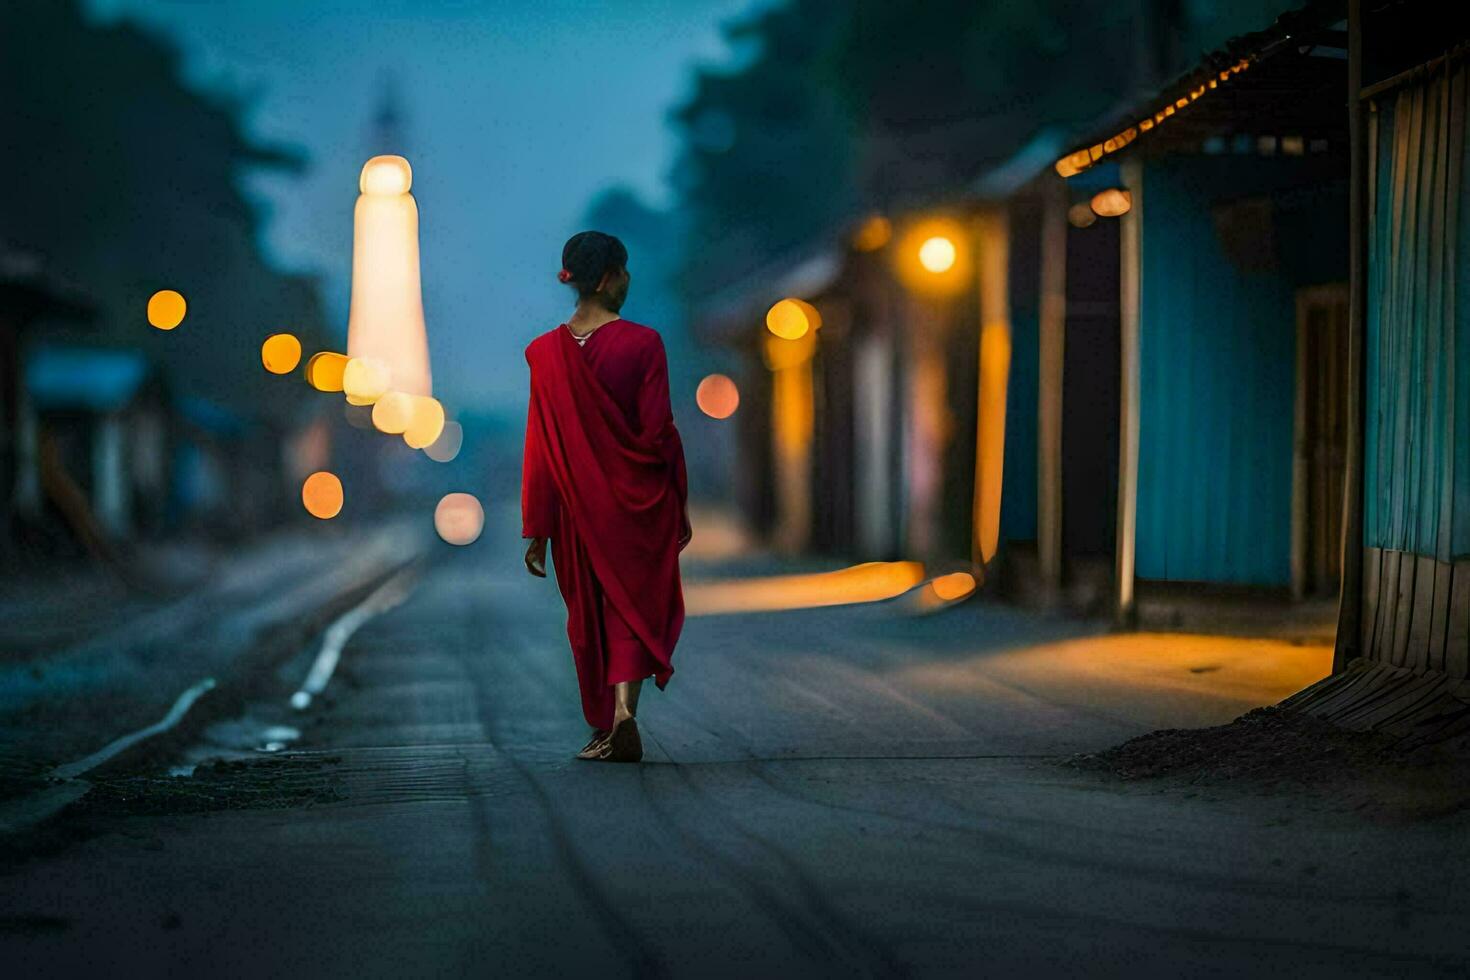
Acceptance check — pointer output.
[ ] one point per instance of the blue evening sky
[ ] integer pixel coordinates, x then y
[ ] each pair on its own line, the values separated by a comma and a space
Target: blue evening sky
516, 112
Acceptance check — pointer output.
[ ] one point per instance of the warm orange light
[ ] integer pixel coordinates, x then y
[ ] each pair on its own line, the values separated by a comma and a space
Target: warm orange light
280, 353
873, 235
166, 309
934, 256
1080, 215
364, 380
392, 412
321, 495
447, 446
788, 319
937, 254
870, 582
954, 586
781, 353
325, 370
426, 423
717, 396
459, 518
1112, 202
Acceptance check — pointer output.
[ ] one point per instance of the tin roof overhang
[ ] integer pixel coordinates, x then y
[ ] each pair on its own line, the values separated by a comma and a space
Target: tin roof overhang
1289, 79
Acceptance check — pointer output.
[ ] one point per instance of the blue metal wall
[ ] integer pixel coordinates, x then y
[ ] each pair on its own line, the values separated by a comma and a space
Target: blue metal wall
1417, 439
1217, 369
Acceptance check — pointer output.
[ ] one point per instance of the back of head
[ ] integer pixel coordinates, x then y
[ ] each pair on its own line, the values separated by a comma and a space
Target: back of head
587, 257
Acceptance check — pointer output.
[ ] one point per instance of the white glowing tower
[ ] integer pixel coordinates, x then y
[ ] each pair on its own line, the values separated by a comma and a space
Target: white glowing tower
385, 326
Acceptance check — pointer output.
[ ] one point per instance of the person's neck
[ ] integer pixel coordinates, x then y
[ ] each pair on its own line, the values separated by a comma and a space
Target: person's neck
588, 318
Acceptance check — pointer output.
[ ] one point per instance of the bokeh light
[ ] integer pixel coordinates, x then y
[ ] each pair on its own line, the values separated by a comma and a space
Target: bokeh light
790, 319
280, 353
1113, 202
426, 422
953, 586
166, 309
937, 254
459, 518
392, 412
1081, 215
447, 446
321, 495
365, 380
873, 235
325, 370
717, 396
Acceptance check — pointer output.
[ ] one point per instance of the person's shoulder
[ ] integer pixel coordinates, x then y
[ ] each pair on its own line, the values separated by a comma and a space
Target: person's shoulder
540, 344
641, 334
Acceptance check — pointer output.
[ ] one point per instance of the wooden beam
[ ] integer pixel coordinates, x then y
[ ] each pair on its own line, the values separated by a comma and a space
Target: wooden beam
1053, 342
1350, 598
1130, 298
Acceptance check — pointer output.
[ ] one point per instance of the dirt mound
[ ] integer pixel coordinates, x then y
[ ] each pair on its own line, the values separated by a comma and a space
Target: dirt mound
1277, 749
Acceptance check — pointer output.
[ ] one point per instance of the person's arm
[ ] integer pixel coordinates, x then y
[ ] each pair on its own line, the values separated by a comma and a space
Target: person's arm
538, 493
656, 421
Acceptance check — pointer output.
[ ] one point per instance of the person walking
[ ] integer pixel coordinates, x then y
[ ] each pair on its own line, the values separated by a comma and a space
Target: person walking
603, 480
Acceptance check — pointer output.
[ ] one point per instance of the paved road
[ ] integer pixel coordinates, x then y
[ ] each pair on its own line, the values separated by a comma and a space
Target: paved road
845, 792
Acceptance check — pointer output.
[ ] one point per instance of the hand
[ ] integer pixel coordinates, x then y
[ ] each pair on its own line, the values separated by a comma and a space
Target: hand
536, 557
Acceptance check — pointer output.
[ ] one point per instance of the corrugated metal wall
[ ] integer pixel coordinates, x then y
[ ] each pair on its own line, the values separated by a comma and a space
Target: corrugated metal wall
1224, 250
1417, 441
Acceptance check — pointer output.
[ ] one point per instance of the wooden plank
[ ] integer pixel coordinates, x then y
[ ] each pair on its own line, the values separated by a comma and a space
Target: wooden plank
1457, 631
1051, 355
1439, 624
1421, 612
1388, 607
1390, 700
1403, 610
1129, 305
1372, 560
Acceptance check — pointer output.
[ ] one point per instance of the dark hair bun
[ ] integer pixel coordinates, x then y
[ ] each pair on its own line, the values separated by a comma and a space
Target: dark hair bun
587, 257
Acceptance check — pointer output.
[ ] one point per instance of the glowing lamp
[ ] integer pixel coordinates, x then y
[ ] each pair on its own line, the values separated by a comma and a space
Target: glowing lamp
1112, 202
937, 254
166, 309
385, 323
717, 396
459, 518
280, 353
386, 175
321, 495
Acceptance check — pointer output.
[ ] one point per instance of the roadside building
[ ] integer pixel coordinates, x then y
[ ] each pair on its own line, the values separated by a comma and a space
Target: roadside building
97, 434
1403, 640
1228, 205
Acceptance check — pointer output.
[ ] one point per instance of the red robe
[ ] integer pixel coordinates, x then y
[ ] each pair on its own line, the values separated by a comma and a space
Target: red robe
603, 477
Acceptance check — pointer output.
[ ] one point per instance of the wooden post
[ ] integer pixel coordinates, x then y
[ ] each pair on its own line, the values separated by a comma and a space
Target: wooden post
1053, 345
1350, 598
992, 240
1130, 296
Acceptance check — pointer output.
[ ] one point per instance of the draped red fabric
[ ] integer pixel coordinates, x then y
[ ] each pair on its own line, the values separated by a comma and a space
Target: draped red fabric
603, 477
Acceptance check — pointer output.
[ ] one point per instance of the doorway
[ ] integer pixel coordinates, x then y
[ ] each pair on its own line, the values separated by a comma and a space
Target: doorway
1319, 463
